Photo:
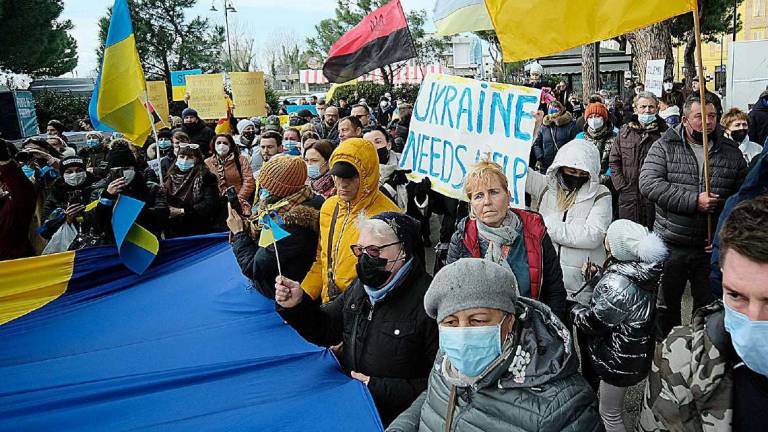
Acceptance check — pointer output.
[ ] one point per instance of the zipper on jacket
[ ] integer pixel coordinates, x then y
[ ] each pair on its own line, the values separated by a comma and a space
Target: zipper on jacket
338, 244
370, 312
559, 246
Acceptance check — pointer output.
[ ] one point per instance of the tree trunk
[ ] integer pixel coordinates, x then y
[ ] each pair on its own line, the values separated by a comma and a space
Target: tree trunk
386, 75
651, 43
588, 71
689, 64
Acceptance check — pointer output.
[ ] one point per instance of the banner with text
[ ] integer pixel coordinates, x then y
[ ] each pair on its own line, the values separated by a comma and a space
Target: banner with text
159, 99
179, 82
206, 95
458, 121
654, 77
248, 93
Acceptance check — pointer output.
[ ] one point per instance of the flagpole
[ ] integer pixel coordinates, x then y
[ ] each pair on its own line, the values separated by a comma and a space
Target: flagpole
154, 132
277, 256
702, 102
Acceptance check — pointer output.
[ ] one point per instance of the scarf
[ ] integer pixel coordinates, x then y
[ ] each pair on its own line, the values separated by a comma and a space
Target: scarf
597, 135
283, 206
499, 237
559, 119
184, 188
323, 185
377, 295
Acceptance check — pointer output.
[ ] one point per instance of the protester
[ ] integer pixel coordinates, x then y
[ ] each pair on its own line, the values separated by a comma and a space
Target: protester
558, 129
350, 127
305, 115
628, 96
344, 109
17, 206
123, 179
292, 142
362, 113
307, 138
670, 113
628, 153
503, 363
199, 133
514, 238
94, 154
247, 135
55, 128
392, 180
232, 170
577, 108
736, 125
192, 194
671, 178
283, 179
60, 145
388, 342
270, 144
355, 171
715, 99
620, 316
712, 374
384, 111
177, 139
317, 155
758, 120
167, 157
562, 94
68, 194
599, 132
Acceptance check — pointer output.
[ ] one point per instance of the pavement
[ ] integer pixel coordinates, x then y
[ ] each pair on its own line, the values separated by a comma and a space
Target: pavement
634, 397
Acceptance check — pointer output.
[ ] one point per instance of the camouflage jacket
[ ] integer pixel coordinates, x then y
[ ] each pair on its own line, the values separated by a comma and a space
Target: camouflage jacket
689, 388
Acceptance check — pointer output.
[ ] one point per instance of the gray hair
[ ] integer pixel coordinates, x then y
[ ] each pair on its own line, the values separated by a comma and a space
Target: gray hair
377, 228
646, 95
695, 98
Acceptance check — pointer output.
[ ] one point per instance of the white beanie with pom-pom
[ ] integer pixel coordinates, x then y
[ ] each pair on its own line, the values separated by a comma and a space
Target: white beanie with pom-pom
630, 241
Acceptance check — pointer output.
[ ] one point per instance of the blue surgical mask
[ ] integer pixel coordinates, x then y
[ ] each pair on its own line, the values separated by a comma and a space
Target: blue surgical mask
646, 118
748, 338
292, 147
92, 142
263, 194
553, 111
185, 165
471, 349
164, 144
28, 171
313, 172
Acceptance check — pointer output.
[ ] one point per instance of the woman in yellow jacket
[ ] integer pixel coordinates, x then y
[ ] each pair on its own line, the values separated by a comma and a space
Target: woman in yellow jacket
355, 171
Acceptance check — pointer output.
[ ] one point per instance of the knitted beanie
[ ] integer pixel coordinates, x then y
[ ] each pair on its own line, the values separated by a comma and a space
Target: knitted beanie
283, 175
189, 112
470, 283
242, 124
596, 108
630, 241
71, 161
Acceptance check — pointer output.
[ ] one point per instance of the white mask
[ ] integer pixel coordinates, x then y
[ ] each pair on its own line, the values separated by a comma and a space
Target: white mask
75, 179
128, 175
595, 123
222, 149
667, 86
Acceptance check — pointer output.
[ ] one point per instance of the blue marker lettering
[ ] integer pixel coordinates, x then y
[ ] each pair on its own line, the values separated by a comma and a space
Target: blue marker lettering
417, 105
465, 106
449, 97
522, 112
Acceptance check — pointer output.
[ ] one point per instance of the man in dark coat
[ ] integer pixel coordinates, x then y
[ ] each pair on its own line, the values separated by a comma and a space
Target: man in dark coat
672, 178
758, 120
199, 133
17, 206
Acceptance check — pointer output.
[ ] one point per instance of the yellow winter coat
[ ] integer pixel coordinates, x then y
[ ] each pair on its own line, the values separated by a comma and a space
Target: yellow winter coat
369, 200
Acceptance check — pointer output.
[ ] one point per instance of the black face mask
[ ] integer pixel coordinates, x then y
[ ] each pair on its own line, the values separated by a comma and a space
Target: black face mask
571, 182
372, 271
383, 155
249, 135
738, 135
698, 136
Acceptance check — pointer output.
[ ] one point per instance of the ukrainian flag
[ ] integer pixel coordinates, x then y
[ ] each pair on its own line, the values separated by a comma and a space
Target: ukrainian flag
136, 245
116, 103
458, 16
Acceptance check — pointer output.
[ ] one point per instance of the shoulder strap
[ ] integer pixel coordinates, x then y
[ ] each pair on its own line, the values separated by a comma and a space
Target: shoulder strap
601, 196
329, 253
451, 407
554, 140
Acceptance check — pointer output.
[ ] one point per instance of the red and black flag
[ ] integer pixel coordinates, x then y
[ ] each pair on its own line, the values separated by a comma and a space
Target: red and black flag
381, 38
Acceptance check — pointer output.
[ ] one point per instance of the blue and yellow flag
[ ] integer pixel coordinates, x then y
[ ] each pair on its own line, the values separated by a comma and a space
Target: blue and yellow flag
116, 103
272, 229
458, 16
137, 246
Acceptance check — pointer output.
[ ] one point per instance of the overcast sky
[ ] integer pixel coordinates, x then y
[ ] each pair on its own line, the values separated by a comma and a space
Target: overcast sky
260, 18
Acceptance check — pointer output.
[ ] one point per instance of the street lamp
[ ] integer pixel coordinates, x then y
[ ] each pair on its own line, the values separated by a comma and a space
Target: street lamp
228, 8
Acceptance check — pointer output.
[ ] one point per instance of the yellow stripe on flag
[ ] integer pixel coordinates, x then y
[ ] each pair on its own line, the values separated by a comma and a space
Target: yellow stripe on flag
473, 17
143, 238
536, 28
31, 283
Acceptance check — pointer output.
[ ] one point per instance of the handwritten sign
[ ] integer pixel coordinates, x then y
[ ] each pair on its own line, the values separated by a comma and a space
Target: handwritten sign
654, 76
459, 121
179, 82
159, 99
206, 95
248, 93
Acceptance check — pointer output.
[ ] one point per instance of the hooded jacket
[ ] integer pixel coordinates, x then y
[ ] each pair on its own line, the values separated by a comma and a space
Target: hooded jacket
670, 179
620, 321
534, 385
577, 233
758, 120
327, 279
627, 155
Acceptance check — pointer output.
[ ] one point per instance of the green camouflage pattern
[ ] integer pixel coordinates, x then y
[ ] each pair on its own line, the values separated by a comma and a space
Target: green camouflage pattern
689, 388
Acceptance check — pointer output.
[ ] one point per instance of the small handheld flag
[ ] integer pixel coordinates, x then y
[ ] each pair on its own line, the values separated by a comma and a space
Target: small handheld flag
136, 246
271, 232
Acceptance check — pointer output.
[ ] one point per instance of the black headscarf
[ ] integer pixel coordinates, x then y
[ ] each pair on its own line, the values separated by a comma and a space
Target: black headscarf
408, 231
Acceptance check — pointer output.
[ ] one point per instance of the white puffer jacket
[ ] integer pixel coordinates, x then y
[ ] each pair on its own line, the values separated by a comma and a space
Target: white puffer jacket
579, 232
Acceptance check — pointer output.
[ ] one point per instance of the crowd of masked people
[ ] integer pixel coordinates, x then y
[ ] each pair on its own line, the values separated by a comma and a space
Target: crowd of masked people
530, 319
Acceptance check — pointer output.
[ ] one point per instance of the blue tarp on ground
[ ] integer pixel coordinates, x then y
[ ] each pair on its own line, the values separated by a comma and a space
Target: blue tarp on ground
186, 346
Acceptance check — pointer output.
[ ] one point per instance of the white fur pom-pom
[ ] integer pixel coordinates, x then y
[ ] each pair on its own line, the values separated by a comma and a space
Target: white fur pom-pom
652, 249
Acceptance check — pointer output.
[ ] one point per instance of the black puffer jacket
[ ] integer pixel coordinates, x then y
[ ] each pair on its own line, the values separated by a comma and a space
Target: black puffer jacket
394, 342
670, 179
620, 321
60, 195
260, 264
758, 120
556, 131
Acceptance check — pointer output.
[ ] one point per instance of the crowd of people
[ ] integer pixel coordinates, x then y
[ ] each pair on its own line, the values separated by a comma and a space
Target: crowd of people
527, 314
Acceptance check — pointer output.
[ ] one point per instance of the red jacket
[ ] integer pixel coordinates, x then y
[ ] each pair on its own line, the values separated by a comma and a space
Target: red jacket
16, 211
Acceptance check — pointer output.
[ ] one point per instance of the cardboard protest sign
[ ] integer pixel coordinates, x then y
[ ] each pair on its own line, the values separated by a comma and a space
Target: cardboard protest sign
290, 109
179, 82
206, 95
458, 121
248, 93
159, 99
654, 76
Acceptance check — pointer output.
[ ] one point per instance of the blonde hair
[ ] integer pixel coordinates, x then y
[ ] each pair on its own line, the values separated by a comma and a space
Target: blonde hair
481, 176
733, 115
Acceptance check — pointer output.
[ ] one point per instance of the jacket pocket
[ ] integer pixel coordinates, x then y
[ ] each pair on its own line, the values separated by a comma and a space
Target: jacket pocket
403, 339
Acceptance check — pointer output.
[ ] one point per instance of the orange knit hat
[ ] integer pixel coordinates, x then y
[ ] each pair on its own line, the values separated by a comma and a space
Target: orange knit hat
596, 108
283, 175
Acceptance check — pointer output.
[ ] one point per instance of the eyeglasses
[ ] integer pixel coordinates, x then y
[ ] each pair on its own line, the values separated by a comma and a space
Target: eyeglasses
189, 145
372, 250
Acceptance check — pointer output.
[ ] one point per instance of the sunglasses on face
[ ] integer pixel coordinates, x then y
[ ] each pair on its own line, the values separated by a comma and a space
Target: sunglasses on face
373, 251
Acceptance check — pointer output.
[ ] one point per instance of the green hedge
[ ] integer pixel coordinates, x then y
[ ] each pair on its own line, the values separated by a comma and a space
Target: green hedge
372, 92
66, 107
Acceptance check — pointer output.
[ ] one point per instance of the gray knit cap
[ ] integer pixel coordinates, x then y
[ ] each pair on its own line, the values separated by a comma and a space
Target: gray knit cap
470, 283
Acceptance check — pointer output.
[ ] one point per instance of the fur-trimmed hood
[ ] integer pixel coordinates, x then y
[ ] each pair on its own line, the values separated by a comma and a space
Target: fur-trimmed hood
306, 214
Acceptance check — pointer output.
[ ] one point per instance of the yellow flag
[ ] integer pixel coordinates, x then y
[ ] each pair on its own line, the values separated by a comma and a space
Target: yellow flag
537, 28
